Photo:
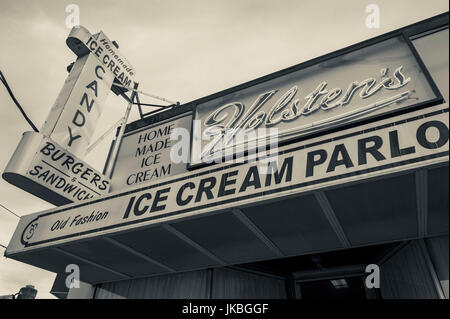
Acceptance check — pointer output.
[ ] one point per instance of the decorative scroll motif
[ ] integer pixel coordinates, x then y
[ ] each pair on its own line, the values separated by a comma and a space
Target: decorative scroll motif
29, 231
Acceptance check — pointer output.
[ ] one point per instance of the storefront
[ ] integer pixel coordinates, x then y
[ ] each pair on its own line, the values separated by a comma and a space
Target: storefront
344, 165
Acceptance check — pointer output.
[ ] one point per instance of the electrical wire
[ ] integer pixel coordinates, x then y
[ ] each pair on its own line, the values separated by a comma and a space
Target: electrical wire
5, 83
9, 211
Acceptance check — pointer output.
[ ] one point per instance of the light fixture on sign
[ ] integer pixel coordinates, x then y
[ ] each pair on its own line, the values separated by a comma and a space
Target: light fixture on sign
339, 283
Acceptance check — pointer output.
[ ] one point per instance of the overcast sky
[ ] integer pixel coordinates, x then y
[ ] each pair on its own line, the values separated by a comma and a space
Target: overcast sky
181, 50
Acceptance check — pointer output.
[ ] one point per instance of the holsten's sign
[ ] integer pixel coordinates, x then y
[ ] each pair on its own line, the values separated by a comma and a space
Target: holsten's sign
49, 171
396, 144
380, 78
145, 155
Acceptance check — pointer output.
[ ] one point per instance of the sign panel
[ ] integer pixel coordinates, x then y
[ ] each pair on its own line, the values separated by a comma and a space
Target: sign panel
377, 79
73, 118
81, 42
400, 143
45, 169
48, 164
145, 155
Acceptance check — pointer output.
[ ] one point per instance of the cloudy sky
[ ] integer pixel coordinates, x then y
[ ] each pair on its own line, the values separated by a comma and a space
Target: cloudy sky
181, 50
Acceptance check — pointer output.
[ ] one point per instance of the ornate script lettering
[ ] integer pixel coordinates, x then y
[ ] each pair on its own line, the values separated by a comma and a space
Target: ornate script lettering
225, 122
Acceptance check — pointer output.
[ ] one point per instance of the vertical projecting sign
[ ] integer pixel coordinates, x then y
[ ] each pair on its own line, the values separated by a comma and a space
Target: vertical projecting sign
73, 117
49, 164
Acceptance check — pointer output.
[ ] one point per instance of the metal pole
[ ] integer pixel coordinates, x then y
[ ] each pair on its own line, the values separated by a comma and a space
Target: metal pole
139, 106
431, 269
101, 138
144, 93
112, 158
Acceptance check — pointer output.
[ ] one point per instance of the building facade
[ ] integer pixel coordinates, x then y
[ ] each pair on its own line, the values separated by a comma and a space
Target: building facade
351, 203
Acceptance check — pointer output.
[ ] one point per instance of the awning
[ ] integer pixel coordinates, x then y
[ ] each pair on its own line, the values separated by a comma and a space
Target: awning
387, 200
